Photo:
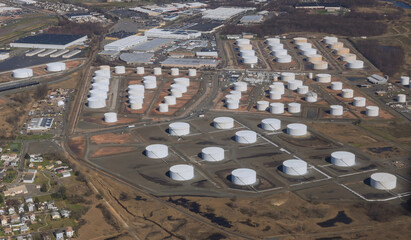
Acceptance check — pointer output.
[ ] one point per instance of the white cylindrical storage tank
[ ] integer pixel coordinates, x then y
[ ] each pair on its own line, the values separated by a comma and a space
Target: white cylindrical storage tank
176, 93
246, 53
330, 40
287, 76
347, 93
277, 86
192, 72
98, 93
212, 154
294, 107
23, 73
297, 129
183, 81
102, 73
295, 167
243, 176
405, 80
242, 41
181, 172
402, 98
179, 129
343, 159
283, 59
240, 86
246, 136
311, 97
262, 105
302, 89
100, 86
279, 52
276, 46
314, 58
383, 181
94, 102
277, 108
150, 84
310, 75
232, 104
170, 100
56, 67
136, 104
151, 78
336, 110
304, 46
105, 68
323, 78
110, 117
223, 123
348, 57
250, 60
175, 71
136, 97
342, 51
275, 95
104, 80
181, 87
357, 64
163, 107
359, 101
337, 45
299, 40
156, 151
157, 71
320, 65
271, 41
271, 124
242, 47
372, 111
140, 70
119, 70
235, 93
337, 86
294, 84
308, 51
136, 88
232, 97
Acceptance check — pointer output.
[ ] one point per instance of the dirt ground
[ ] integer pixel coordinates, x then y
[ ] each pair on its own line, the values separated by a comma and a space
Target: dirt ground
110, 138
105, 151
77, 145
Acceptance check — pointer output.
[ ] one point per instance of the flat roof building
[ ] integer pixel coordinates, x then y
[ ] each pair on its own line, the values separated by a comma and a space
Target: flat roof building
40, 124
190, 63
174, 34
49, 41
153, 45
136, 58
251, 19
125, 43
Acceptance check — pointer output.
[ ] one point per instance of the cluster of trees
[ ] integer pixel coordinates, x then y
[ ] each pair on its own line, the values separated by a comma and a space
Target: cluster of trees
388, 59
67, 27
108, 217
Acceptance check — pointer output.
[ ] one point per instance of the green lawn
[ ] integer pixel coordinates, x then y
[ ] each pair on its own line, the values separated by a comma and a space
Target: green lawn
10, 176
14, 148
35, 137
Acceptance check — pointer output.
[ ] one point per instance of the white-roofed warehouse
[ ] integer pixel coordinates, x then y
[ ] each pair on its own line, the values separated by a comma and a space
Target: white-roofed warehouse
125, 43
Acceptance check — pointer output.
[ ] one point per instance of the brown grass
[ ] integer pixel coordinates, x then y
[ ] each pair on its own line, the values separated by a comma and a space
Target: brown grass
110, 138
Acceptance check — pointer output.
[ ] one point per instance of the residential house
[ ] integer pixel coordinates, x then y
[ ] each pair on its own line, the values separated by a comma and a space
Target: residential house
8, 230
12, 210
32, 217
55, 215
24, 219
69, 232
65, 213
51, 206
21, 208
59, 235
3, 220
31, 207
15, 218
22, 189
36, 158
29, 200
24, 229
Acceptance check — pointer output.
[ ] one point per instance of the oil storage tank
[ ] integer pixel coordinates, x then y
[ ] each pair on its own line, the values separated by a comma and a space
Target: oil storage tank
343, 159
246, 136
383, 181
223, 123
183, 81
192, 72
119, 70
348, 57
347, 93
311, 97
157, 71
277, 108
179, 129
296, 129
262, 105
244, 176
110, 117
56, 66
271, 124
163, 108
271, 41
302, 89
372, 111
294, 167
170, 100
140, 70
23, 73
283, 59
156, 151
294, 107
359, 101
212, 154
323, 78
94, 102
314, 58
175, 71
240, 86
320, 65
330, 40
181, 172
287, 76
356, 64
336, 110
405, 80
336, 86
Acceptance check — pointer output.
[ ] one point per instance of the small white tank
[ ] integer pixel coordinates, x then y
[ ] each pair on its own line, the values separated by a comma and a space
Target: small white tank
181, 87
401, 98
337, 86
100, 86
102, 73
304, 46
179, 129
343, 159
250, 60
297, 129
275, 95
275, 46
347, 93
359, 101
119, 70
299, 40
357, 64
262, 105
183, 81
192, 72
181, 172
140, 70
175, 71
283, 59
279, 52
372, 111
277, 108
156, 151
56, 67
98, 94
233, 97
348, 57
176, 93
336, 110
320, 65
311, 97
405, 80
157, 71
232, 104
170, 100
136, 88
323, 78
383, 181
271, 41
110, 117
271, 124
150, 83
337, 45
310, 75
162, 107
236, 93
105, 68
308, 51
294, 107
342, 51
295, 167
223, 123
240, 86
247, 53
302, 89
287, 76
294, 84
136, 104
212, 154
314, 58
23, 73
94, 102
246, 136
243, 176
277, 86
330, 40
242, 41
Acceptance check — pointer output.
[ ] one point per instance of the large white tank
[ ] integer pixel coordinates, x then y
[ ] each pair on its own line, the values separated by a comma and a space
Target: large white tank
383, 181
311, 97
136, 88
337, 86
314, 58
262, 105
275, 95
343, 159
336, 110
232, 104
372, 111
323, 78
242, 47
179, 129
223, 123
163, 107
302, 89
279, 52
246, 53
402, 98
175, 71
119, 70
295, 167
276, 46
243, 176
104, 80
23, 73
347, 93
176, 93
156, 151
212, 154
277, 108
405, 80
100, 86
236, 93
140, 70
192, 72
110, 117
271, 124
240, 86
250, 60
233, 96
246, 136
320, 65
283, 59
242, 41
359, 101
337, 45
157, 71
56, 67
95, 93
297, 129
294, 107
304, 46
287, 76
170, 100
277, 86
181, 172
299, 40
150, 83
308, 51
357, 64
294, 84
271, 41
330, 40
136, 104
342, 51
348, 57
183, 81
94, 102
102, 73
105, 68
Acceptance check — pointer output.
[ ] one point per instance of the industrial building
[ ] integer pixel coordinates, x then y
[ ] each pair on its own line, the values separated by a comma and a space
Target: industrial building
189, 63
250, 19
40, 124
377, 79
174, 34
49, 41
136, 58
224, 13
125, 43
153, 45
4, 55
